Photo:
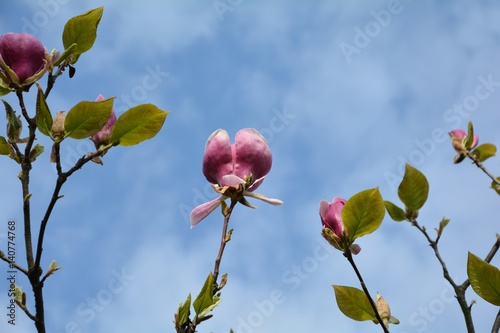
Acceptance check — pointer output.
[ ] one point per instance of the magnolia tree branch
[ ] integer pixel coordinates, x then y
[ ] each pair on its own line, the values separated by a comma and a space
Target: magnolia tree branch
12, 263
496, 324
459, 289
348, 255
488, 258
481, 166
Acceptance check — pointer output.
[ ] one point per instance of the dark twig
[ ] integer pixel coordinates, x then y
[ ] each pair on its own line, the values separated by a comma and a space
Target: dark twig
348, 255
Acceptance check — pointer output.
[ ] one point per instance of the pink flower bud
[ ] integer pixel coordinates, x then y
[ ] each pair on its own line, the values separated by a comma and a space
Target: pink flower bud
23, 59
331, 215
333, 226
102, 137
457, 137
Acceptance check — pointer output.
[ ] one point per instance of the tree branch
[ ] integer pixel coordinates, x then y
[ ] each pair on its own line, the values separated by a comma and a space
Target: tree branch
459, 290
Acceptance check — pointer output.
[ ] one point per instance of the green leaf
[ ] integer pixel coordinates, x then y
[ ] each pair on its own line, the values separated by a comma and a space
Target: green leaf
87, 118
138, 124
43, 115
396, 213
3, 89
66, 54
484, 151
414, 189
184, 311
363, 213
14, 124
353, 303
36, 151
484, 279
469, 139
206, 301
495, 186
82, 31
4, 146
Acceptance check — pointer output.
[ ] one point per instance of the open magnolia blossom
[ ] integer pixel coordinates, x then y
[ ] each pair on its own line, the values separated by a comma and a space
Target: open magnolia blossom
457, 141
23, 59
333, 226
236, 170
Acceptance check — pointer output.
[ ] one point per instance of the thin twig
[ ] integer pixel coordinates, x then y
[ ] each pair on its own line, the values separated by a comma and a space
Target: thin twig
481, 166
459, 290
12, 263
496, 324
348, 255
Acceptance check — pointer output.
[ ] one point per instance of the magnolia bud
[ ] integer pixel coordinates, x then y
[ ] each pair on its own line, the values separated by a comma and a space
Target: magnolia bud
57, 130
383, 310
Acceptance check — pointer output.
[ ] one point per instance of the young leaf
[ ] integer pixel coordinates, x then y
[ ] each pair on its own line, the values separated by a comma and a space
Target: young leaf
495, 186
484, 151
353, 303
363, 213
36, 151
138, 124
66, 54
82, 31
414, 189
484, 279
87, 118
469, 139
4, 146
183, 311
14, 124
206, 301
444, 222
396, 213
43, 115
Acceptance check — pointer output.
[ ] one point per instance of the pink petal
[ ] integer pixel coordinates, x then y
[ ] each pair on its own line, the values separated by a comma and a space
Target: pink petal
251, 154
232, 180
323, 209
274, 202
217, 160
203, 210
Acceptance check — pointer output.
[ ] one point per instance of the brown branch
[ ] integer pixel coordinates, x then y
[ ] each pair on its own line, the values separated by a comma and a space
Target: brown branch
459, 290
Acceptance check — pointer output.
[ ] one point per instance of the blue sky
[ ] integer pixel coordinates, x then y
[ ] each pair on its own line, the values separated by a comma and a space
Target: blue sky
345, 93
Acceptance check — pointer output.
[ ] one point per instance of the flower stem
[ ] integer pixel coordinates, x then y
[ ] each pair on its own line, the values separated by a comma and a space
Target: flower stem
348, 255
224, 240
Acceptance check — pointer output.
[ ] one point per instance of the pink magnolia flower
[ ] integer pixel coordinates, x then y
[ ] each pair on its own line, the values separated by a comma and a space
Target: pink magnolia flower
333, 226
457, 141
102, 137
234, 168
23, 59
